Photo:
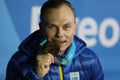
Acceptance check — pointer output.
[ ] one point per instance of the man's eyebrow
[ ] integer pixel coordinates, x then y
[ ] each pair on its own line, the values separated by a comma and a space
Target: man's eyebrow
50, 24
68, 23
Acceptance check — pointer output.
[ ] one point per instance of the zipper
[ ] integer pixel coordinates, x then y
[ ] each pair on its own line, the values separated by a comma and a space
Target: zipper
60, 72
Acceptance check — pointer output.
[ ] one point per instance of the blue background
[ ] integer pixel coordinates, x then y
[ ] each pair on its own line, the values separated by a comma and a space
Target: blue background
15, 26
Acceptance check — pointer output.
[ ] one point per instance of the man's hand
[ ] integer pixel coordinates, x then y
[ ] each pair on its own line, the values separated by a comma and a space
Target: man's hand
43, 64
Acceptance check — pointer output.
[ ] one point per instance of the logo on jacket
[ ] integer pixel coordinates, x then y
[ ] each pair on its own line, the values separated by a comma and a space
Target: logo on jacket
74, 76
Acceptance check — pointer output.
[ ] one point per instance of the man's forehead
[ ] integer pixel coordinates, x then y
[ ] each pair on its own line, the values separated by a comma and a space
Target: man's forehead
60, 23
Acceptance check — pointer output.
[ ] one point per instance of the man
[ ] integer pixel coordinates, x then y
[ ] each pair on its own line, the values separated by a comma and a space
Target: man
73, 61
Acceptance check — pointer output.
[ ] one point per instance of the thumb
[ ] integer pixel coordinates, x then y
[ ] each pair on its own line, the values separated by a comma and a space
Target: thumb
51, 57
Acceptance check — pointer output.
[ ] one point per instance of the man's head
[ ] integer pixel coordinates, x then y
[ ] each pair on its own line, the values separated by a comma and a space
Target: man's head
53, 4
58, 21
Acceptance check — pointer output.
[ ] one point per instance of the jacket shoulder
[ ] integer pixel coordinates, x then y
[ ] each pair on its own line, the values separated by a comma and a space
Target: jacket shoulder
89, 59
88, 53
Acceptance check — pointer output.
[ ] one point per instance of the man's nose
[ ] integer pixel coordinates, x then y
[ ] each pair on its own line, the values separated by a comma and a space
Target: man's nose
59, 33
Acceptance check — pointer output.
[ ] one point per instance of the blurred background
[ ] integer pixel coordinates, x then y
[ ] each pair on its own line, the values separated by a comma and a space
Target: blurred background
98, 24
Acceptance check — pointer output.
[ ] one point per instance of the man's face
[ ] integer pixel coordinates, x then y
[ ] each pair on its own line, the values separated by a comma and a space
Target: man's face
61, 26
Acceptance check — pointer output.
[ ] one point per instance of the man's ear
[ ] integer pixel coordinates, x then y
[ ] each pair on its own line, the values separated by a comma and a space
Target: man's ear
40, 25
42, 28
75, 25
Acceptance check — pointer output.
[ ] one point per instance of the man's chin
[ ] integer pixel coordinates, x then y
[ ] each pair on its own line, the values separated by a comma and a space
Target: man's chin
61, 51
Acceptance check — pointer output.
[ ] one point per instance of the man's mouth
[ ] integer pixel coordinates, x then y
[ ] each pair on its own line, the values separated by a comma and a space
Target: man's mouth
60, 43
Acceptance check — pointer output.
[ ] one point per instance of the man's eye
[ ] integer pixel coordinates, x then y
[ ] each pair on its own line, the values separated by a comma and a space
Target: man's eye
51, 27
66, 26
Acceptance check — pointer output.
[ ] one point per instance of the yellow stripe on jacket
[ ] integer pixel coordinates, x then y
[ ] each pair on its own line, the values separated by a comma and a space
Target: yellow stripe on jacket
60, 72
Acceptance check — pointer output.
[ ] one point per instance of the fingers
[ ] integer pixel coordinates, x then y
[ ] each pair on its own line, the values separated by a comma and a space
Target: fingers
43, 63
42, 71
51, 57
43, 60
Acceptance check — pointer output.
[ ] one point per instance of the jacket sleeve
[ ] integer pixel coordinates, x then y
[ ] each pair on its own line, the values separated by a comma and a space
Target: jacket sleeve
91, 62
97, 73
19, 68
11, 71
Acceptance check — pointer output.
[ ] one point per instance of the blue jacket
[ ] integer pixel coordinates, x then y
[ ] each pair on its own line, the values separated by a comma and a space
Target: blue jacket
83, 66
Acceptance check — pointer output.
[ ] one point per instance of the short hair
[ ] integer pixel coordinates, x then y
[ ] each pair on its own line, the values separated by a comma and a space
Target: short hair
52, 4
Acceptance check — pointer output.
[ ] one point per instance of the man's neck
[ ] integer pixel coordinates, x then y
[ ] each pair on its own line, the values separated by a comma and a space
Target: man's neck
61, 52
